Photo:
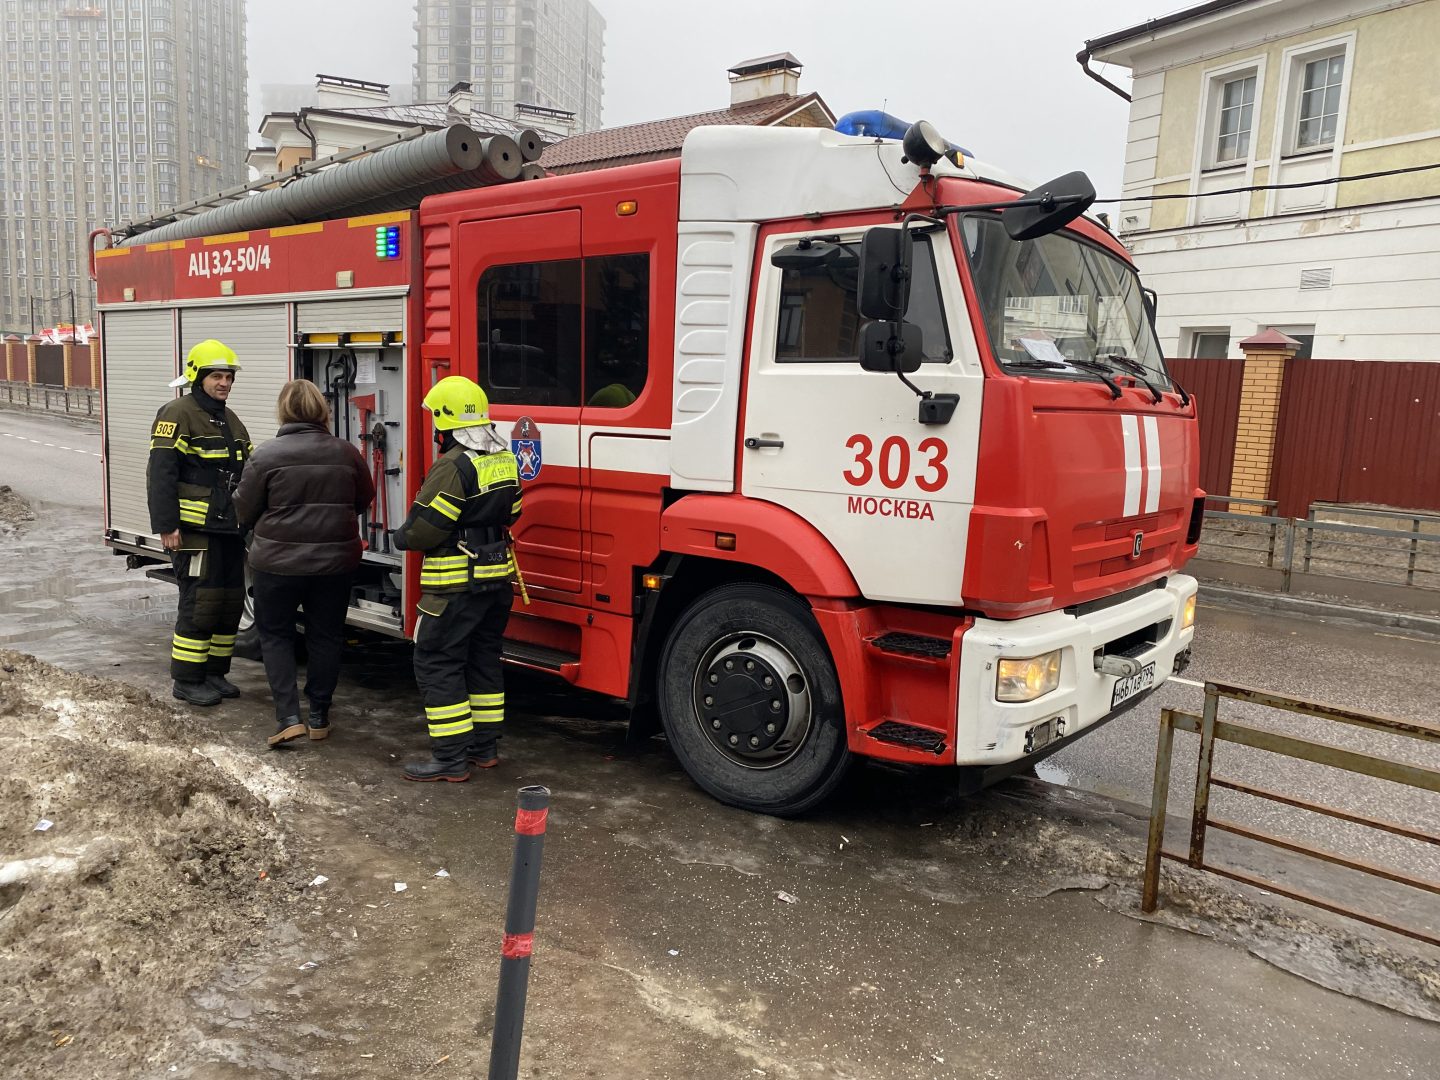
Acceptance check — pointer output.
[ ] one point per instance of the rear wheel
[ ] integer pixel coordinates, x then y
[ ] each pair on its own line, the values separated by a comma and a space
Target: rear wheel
247, 637
750, 701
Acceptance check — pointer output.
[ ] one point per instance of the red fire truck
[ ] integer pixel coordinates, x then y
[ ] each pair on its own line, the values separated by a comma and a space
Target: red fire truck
832, 447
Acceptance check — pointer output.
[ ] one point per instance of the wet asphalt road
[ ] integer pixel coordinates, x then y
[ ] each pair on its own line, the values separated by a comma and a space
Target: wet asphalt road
939, 966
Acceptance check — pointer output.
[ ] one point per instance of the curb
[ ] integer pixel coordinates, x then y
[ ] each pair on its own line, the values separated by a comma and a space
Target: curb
1297, 605
31, 410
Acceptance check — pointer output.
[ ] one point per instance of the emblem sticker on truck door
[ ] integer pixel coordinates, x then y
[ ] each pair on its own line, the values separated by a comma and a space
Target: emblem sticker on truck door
525, 445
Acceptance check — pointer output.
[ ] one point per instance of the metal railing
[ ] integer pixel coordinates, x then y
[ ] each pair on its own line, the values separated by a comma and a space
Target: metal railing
70, 400
1356, 552
1210, 728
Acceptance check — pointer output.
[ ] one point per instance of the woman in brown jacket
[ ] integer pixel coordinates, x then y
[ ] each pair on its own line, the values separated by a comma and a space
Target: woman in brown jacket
302, 492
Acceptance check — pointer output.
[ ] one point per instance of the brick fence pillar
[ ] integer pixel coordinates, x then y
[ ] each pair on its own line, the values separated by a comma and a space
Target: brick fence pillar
95, 362
1260, 392
11, 367
30, 345
67, 357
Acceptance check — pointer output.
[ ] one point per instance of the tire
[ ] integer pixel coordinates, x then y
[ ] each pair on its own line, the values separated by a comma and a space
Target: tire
247, 637
781, 754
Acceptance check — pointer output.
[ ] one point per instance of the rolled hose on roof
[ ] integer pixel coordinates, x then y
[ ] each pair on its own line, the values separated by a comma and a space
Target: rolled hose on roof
395, 178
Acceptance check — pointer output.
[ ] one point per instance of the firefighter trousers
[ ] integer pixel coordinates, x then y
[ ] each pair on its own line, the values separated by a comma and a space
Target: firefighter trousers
457, 667
211, 603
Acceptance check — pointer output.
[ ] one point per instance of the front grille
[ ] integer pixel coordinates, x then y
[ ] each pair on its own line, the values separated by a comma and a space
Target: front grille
1138, 642
892, 731
913, 645
1090, 606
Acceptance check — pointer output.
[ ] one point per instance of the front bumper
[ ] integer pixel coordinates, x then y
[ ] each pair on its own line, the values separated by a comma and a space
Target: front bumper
993, 733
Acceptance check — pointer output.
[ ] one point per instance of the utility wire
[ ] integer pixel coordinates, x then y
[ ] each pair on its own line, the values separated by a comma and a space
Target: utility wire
1275, 187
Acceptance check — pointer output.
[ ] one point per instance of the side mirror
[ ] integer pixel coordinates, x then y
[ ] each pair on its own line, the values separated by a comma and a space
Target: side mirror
892, 346
884, 274
1053, 206
1152, 304
805, 254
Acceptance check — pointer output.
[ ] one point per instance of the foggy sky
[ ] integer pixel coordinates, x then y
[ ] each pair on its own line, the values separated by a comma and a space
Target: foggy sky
1008, 90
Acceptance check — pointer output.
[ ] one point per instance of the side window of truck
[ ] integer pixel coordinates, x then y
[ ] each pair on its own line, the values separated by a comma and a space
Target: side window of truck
819, 323
617, 329
529, 333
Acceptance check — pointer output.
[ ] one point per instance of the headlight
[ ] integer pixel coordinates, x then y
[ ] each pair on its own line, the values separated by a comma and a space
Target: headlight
1188, 619
1026, 680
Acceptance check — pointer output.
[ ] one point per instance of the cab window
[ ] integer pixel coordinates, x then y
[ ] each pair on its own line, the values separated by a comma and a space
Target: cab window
818, 320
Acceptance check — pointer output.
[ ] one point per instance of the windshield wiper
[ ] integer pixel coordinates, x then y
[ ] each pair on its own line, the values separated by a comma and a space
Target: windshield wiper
1035, 363
1102, 372
1136, 368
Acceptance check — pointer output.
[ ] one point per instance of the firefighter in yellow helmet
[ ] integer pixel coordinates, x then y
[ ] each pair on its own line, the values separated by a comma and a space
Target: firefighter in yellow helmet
461, 520
198, 448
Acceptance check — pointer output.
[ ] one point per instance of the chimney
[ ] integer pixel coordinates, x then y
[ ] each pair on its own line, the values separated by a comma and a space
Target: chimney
459, 104
763, 77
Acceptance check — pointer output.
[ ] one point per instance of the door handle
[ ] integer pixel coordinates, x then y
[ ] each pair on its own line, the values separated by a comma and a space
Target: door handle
752, 443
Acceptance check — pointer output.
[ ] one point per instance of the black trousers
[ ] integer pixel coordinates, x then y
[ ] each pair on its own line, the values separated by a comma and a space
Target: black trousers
211, 604
278, 599
457, 666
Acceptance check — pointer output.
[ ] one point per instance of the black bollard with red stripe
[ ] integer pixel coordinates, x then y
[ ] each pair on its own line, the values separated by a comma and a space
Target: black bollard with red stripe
534, 807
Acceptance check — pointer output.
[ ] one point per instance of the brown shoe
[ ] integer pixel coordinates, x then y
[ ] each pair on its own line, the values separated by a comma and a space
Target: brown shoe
287, 729
318, 723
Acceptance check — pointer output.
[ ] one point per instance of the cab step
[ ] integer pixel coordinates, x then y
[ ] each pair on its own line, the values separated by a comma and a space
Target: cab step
915, 645
908, 735
541, 658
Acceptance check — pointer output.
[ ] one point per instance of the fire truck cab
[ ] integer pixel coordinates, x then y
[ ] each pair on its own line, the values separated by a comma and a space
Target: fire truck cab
826, 453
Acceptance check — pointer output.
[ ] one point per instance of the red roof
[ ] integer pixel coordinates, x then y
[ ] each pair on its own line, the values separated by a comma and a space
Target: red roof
663, 138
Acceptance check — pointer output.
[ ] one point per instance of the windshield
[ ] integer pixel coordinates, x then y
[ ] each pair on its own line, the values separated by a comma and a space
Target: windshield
1051, 303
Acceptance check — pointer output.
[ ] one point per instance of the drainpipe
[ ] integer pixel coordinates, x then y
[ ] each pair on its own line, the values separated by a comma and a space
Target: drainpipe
305, 129
1083, 59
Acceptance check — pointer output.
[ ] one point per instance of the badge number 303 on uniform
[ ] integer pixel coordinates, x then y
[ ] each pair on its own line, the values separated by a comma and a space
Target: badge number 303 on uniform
164, 429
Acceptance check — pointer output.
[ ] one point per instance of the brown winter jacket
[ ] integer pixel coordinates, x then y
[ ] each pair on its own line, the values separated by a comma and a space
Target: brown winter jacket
302, 491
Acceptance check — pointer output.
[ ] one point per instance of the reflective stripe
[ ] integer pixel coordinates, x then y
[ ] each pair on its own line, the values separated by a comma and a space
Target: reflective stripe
515, 508
487, 701
447, 712
440, 580
188, 657
193, 643
446, 507
499, 570
441, 562
488, 716
222, 650
460, 727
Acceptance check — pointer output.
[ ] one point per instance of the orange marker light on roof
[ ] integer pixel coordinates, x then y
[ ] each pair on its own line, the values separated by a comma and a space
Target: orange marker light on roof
626, 207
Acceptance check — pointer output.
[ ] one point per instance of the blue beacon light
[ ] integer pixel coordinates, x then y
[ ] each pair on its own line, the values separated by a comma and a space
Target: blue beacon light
387, 242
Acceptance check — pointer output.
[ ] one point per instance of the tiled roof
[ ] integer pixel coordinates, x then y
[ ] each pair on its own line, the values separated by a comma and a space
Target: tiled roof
663, 138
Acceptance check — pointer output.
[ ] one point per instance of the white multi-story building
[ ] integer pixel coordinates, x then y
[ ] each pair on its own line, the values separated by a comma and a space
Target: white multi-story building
110, 110
1293, 145
548, 53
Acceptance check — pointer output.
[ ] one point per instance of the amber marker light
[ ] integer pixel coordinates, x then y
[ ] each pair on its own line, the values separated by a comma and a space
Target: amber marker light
652, 582
626, 207
725, 541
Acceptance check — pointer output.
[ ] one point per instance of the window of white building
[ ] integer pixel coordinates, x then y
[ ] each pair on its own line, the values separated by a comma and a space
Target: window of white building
1319, 83
1235, 119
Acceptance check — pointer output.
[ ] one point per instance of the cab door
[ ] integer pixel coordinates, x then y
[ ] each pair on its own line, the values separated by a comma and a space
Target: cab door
842, 447
521, 295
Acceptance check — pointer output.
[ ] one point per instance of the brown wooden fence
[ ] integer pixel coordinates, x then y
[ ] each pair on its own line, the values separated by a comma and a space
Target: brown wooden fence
1358, 431
1216, 387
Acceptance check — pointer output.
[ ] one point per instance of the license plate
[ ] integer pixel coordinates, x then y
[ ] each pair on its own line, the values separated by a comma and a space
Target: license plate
1042, 735
1131, 685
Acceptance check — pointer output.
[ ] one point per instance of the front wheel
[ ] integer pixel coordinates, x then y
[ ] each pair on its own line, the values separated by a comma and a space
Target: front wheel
247, 635
750, 701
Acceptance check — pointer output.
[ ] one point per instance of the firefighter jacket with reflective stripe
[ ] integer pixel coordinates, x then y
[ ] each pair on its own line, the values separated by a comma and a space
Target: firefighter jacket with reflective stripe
468, 499
196, 457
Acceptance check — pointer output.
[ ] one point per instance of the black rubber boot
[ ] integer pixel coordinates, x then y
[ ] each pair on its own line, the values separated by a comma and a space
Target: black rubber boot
484, 755
319, 721
222, 686
196, 693
447, 761
287, 729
